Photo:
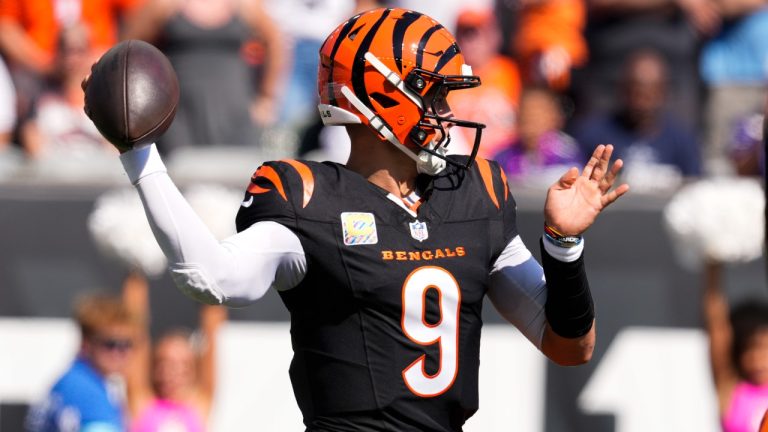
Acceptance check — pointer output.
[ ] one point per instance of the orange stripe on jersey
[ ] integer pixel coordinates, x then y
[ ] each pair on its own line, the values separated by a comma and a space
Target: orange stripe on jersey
256, 189
415, 206
485, 173
270, 174
307, 178
506, 185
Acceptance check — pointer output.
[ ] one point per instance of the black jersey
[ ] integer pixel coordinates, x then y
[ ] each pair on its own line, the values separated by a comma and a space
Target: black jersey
385, 325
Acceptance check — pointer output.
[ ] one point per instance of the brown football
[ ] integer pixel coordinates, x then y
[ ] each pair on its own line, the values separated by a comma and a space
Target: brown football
132, 94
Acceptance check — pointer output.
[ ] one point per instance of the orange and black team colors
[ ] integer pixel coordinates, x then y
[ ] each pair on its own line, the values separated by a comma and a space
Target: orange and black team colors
402, 89
384, 262
386, 323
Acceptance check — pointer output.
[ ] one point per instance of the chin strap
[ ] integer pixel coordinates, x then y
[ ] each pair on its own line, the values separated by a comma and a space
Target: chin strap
429, 163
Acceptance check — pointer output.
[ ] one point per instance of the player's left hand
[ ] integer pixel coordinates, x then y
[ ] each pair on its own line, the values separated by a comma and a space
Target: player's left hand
575, 200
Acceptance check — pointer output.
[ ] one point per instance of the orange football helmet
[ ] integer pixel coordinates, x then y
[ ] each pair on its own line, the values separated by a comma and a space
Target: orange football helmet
391, 69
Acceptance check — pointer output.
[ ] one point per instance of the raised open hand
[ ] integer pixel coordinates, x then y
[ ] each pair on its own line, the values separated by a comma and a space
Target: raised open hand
575, 200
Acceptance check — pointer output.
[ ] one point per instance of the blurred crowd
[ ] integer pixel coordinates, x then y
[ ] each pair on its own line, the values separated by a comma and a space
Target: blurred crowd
677, 86
120, 380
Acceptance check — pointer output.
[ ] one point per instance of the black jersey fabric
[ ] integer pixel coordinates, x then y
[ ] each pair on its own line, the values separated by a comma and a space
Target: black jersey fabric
348, 315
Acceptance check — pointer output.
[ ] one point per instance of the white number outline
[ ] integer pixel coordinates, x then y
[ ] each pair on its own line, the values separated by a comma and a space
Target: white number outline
422, 333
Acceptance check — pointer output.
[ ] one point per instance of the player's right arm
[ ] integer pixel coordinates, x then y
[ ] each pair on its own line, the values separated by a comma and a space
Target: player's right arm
234, 272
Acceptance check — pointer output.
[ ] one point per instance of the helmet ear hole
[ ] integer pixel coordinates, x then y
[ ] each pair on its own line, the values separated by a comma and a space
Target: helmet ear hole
384, 100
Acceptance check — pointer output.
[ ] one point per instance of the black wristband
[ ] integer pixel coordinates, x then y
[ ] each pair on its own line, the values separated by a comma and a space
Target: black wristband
569, 307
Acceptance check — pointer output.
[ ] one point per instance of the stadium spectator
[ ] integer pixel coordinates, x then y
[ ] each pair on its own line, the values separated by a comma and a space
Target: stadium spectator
745, 148
220, 103
29, 29
29, 34
366, 5
304, 26
738, 342
57, 125
541, 151
733, 67
446, 11
90, 395
616, 28
549, 41
172, 383
657, 147
7, 106
495, 102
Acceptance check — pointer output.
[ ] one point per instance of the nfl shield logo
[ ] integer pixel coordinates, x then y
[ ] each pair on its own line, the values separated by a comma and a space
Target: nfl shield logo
419, 230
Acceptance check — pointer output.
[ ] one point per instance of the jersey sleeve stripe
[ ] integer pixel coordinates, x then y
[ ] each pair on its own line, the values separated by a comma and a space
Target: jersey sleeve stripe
506, 184
307, 179
269, 173
485, 173
256, 189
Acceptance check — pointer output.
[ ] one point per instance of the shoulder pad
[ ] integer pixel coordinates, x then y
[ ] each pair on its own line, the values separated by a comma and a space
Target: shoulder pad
283, 177
494, 181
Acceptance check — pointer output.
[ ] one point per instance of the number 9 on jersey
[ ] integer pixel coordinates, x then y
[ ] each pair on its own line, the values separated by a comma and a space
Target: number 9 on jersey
445, 332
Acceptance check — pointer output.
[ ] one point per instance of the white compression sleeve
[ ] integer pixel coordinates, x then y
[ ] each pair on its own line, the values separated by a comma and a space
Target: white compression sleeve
235, 271
518, 290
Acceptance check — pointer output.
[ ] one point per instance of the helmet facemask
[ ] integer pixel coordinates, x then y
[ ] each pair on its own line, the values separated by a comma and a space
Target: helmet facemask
431, 134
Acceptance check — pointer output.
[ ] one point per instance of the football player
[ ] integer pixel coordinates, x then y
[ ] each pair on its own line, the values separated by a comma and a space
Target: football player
383, 262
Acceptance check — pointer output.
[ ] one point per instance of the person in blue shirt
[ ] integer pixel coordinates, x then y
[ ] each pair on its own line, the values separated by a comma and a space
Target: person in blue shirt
734, 68
90, 395
648, 137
